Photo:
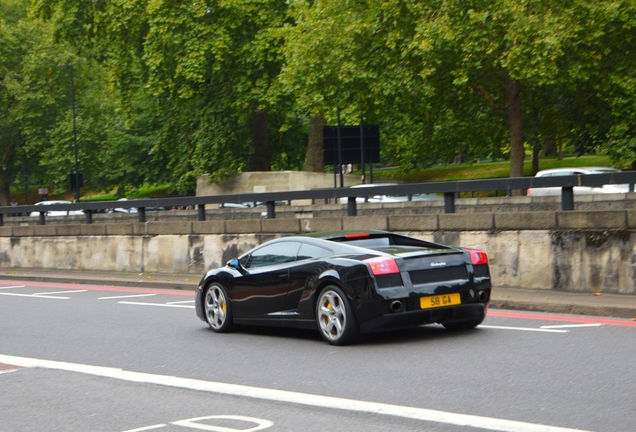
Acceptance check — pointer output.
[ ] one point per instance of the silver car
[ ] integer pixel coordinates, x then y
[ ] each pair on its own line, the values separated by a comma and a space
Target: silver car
57, 212
374, 198
578, 190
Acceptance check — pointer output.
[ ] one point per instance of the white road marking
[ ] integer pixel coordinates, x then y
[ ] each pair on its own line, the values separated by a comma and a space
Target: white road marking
193, 423
155, 304
488, 423
12, 287
524, 329
35, 296
126, 296
185, 301
58, 292
157, 426
570, 326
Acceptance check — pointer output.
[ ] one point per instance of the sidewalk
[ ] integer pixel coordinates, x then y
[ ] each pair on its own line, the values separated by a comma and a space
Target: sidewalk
607, 305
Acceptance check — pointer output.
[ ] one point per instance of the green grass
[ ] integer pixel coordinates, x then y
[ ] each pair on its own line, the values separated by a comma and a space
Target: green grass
489, 169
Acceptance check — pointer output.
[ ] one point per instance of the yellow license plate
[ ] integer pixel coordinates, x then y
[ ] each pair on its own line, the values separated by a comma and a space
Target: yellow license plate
440, 301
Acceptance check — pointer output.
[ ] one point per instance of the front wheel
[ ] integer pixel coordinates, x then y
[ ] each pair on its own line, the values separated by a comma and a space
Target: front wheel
334, 316
218, 312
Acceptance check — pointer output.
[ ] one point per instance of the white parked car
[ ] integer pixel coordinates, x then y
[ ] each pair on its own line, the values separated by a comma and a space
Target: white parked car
578, 190
122, 209
57, 212
388, 198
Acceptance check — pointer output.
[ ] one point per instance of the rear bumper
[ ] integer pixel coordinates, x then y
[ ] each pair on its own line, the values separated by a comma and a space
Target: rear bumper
424, 316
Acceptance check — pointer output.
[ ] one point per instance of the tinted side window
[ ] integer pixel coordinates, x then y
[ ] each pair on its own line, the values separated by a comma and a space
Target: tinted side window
278, 253
308, 251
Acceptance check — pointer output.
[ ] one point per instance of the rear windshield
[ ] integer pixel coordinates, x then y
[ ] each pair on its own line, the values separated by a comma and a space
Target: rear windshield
379, 240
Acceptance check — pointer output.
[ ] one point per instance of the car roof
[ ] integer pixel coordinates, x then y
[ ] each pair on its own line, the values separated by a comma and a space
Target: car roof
577, 170
52, 202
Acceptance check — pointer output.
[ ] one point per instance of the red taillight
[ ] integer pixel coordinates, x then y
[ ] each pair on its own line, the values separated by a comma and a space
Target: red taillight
355, 236
477, 256
382, 265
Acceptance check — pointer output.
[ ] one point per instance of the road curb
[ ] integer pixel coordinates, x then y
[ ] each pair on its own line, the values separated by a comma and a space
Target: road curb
562, 308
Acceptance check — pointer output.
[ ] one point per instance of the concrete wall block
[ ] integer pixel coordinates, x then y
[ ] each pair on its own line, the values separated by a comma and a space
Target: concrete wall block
6, 231
321, 224
592, 219
631, 218
69, 230
290, 226
112, 253
166, 254
45, 230
93, 229
61, 253
425, 222
120, 229
23, 231
539, 220
534, 258
365, 223
208, 227
466, 222
243, 226
168, 228
218, 250
594, 261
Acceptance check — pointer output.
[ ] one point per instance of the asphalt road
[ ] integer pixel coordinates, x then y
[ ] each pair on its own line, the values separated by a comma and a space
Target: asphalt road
87, 358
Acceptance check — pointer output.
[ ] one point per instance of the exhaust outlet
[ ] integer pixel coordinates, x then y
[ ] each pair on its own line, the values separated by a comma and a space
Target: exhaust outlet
481, 295
396, 306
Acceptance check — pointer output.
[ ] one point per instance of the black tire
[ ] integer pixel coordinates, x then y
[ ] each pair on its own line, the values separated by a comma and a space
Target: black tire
335, 318
463, 325
217, 308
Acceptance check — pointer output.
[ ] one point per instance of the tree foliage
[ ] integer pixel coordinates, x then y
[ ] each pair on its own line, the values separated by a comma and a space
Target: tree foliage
168, 90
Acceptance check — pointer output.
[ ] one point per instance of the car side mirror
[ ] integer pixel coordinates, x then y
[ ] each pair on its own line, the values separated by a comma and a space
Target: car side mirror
236, 264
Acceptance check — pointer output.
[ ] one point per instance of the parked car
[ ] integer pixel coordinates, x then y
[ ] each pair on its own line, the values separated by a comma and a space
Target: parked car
374, 198
57, 212
346, 284
578, 190
123, 209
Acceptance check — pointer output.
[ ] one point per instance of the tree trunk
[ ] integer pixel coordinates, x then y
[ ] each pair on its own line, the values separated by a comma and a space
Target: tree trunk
261, 155
515, 125
535, 159
5, 190
314, 159
549, 147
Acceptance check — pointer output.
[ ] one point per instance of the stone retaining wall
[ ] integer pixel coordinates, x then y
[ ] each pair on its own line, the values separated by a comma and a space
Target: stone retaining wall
590, 251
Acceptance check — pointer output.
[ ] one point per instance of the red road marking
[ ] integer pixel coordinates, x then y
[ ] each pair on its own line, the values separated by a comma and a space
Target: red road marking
8, 367
102, 288
561, 318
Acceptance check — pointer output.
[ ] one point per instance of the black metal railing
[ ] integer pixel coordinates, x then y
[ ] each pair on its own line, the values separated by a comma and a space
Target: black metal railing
450, 191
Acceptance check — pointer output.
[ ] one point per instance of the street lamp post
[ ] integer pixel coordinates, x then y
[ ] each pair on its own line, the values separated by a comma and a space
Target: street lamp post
77, 178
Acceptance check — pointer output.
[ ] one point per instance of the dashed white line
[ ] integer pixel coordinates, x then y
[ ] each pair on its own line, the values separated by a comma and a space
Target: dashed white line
178, 302
157, 426
126, 296
570, 326
488, 423
35, 296
155, 304
524, 329
12, 287
58, 292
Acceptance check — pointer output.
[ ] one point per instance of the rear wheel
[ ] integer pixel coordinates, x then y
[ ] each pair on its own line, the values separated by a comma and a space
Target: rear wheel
216, 306
334, 316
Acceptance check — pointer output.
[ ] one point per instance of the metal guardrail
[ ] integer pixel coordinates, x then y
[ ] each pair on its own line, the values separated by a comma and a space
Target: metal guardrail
450, 190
